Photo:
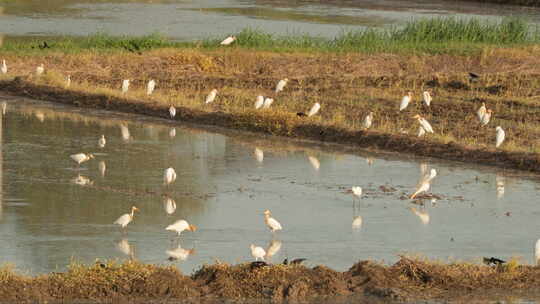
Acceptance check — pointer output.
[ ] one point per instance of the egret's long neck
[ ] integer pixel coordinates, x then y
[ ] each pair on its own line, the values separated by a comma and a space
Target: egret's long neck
132, 212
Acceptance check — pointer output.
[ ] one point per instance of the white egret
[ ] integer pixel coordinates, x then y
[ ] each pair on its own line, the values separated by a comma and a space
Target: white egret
124, 247
211, 96
259, 155
370, 160
169, 205
102, 168
125, 133
368, 120
172, 111
259, 102
169, 176
273, 248
500, 136
424, 123
257, 252
68, 81
315, 163
125, 219
421, 131
267, 103
125, 86
40, 116
314, 109
537, 252
427, 98
425, 183
357, 191
4, 107
429, 177
481, 111
82, 180
486, 117
405, 101
80, 158
357, 222
150, 87
281, 85
172, 132
4, 67
228, 40
40, 69
181, 225
102, 141
422, 215
179, 253
271, 222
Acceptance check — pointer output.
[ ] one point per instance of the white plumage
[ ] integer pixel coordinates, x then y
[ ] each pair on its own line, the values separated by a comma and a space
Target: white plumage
481, 112
125, 219
181, 225
125, 132
424, 123
421, 131
486, 117
102, 168
68, 81
259, 102
357, 222
281, 85
427, 98
537, 252
368, 120
172, 132
357, 191
169, 176
40, 69
169, 205
271, 222
228, 40
179, 253
211, 96
4, 107
125, 86
405, 101
314, 109
314, 162
425, 183
4, 67
80, 158
422, 215
259, 155
102, 141
257, 252
267, 103
82, 181
150, 87
273, 248
500, 136
172, 111
124, 247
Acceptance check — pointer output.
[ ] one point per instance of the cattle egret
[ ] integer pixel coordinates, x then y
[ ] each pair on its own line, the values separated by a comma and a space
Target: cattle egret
172, 111
499, 137
259, 102
40, 116
271, 222
150, 87
368, 120
424, 123
425, 183
179, 253
422, 215
357, 191
537, 252
257, 252
405, 101
357, 222
267, 103
259, 155
281, 84
4, 67
421, 131
102, 141
169, 176
124, 247
273, 248
125, 219
429, 177
82, 181
211, 96
314, 109
4, 107
80, 158
68, 81
481, 111
40, 69
102, 168
486, 117
315, 163
169, 205
228, 40
125, 86
125, 133
172, 132
181, 225
427, 98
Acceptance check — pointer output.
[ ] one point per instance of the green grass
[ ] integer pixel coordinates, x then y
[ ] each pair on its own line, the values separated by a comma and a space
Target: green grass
432, 36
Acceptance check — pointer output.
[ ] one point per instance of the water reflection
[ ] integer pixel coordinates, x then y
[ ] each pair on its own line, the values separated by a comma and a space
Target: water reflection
314, 162
179, 253
273, 248
259, 155
124, 247
102, 167
126, 136
499, 180
172, 132
82, 181
423, 215
169, 205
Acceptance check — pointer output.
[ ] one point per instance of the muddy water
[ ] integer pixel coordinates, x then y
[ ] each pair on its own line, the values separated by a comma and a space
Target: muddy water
188, 20
52, 212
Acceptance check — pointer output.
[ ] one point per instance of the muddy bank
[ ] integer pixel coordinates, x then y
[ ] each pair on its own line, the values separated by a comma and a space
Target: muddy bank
283, 124
407, 280
510, 2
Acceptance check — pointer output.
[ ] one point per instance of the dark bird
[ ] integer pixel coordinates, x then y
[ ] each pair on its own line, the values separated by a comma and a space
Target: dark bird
44, 45
293, 262
473, 77
301, 114
258, 264
493, 261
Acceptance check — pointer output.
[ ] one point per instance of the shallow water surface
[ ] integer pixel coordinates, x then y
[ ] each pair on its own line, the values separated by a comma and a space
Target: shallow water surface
52, 212
189, 20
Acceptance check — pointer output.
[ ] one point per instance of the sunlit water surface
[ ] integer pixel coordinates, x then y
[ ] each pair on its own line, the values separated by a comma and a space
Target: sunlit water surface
52, 212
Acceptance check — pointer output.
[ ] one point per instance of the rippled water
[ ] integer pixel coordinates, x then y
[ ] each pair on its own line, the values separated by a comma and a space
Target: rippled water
52, 212
188, 20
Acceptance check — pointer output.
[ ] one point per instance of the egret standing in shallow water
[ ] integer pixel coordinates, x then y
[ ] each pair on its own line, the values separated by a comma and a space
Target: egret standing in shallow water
181, 225
281, 85
125, 219
80, 158
172, 111
259, 102
257, 252
425, 183
125, 86
500, 136
102, 141
424, 123
271, 222
4, 67
405, 101
169, 176
357, 191
211, 96
40, 69
427, 98
228, 40
368, 120
150, 87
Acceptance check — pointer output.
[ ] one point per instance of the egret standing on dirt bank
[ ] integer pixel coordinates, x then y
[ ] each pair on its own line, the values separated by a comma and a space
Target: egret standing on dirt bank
481, 111
267, 103
281, 85
271, 222
40, 69
211, 96
172, 111
424, 123
150, 87
486, 117
169, 176
499, 138
125, 219
405, 101
427, 98
259, 102
4, 67
125, 86
228, 40
368, 120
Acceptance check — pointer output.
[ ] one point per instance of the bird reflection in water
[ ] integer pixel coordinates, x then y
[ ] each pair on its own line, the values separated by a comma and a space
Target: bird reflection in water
179, 253
82, 180
273, 247
499, 179
40, 116
259, 155
422, 215
169, 205
126, 136
124, 247
172, 132
314, 162
102, 168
